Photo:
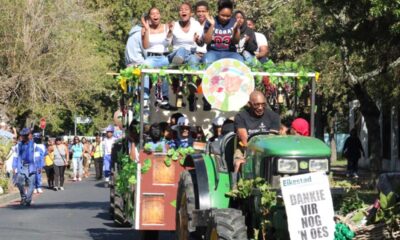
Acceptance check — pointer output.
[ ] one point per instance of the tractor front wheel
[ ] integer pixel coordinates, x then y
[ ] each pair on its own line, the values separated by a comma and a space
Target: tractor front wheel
185, 204
227, 224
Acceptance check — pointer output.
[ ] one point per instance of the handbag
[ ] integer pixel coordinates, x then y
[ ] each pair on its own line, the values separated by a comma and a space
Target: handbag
66, 163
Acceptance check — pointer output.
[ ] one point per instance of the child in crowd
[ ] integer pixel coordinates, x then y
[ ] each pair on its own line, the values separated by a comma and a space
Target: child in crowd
183, 129
157, 143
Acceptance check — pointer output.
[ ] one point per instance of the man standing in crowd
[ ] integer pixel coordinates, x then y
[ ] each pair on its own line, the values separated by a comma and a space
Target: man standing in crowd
255, 118
26, 166
262, 43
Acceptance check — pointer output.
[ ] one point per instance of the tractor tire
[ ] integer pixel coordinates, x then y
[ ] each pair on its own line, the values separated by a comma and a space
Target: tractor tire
227, 224
185, 204
120, 219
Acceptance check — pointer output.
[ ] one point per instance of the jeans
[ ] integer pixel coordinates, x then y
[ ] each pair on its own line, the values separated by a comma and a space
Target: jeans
77, 166
98, 165
155, 62
212, 56
59, 172
107, 165
24, 177
188, 57
38, 180
249, 58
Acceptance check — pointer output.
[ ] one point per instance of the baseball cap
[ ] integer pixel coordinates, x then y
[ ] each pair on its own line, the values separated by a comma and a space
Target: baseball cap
37, 135
110, 128
182, 121
218, 121
24, 132
301, 126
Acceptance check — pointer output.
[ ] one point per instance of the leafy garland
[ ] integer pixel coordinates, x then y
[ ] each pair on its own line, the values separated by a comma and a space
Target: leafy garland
178, 154
127, 175
130, 76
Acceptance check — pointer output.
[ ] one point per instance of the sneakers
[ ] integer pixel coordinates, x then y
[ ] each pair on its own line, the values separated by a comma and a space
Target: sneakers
177, 60
79, 179
355, 175
55, 189
74, 179
35, 191
39, 190
62, 188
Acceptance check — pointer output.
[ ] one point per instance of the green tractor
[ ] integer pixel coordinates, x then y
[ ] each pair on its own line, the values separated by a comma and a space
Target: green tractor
204, 211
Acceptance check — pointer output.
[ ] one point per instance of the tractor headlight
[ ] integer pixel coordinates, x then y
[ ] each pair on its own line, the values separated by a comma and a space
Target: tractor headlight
288, 165
318, 165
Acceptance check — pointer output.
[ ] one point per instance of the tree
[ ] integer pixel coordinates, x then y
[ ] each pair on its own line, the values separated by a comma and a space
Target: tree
367, 35
51, 63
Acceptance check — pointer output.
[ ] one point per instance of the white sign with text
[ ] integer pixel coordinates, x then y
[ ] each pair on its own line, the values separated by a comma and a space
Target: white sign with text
309, 207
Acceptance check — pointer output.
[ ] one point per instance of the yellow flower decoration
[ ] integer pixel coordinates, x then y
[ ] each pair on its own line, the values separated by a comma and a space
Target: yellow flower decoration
317, 76
122, 83
136, 72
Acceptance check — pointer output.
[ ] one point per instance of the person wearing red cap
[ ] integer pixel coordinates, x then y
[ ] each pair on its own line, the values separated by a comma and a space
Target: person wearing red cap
301, 127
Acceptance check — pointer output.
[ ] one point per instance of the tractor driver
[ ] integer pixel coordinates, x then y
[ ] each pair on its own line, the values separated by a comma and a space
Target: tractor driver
255, 118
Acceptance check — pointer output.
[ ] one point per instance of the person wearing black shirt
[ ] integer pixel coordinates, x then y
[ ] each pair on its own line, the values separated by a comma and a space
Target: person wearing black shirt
255, 118
352, 150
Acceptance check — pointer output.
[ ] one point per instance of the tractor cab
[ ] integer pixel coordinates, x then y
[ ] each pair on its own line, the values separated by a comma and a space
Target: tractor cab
272, 157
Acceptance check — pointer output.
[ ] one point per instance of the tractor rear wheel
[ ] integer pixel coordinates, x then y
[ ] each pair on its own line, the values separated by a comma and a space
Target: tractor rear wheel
185, 204
227, 224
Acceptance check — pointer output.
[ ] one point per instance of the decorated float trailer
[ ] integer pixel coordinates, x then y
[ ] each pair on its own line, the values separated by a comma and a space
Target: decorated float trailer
181, 190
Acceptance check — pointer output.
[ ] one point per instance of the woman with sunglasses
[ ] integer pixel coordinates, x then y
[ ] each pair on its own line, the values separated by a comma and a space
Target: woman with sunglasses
77, 159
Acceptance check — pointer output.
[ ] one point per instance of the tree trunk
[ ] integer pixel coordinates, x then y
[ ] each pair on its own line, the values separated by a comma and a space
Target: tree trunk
371, 114
332, 141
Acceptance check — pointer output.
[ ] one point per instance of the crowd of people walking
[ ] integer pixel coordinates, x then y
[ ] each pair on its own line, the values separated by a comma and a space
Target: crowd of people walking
32, 154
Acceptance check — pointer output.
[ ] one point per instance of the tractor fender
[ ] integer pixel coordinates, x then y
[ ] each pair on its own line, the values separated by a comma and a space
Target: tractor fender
202, 189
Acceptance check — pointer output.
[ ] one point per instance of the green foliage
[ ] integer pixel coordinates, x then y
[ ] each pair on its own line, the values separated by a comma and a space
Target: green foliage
351, 202
178, 154
5, 147
249, 187
127, 175
388, 212
146, 166
4, 183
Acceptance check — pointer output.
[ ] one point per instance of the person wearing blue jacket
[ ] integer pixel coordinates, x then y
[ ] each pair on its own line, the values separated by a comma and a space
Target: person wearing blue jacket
26, 166
134, 51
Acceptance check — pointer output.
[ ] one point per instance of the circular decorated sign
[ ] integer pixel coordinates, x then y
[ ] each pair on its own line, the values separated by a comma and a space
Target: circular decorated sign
227, 84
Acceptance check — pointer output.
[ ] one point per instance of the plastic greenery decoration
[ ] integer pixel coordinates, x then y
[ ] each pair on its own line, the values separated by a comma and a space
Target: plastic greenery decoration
343, 232
146, 166
178, 154
127, 175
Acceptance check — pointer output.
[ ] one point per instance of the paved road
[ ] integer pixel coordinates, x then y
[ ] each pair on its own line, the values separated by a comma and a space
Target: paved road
79, 212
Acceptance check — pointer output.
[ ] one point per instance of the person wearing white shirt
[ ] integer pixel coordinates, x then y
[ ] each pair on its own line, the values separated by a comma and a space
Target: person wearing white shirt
186, 36
262, 43
107, 148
